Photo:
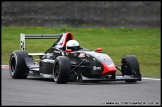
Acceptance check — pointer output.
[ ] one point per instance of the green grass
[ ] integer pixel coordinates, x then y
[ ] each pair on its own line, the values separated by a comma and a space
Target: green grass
117, 42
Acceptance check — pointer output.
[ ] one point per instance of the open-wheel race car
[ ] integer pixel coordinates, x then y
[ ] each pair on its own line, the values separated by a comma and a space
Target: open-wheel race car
66, 61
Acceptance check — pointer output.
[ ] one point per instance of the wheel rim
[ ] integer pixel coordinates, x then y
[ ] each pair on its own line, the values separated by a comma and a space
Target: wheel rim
56, 72
13, 65
124, 67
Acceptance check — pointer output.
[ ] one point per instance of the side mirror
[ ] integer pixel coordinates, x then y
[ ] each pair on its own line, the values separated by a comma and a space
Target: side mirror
98, 49
68, 50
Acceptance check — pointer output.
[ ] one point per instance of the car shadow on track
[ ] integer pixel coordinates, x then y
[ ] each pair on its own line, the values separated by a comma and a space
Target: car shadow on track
42, 79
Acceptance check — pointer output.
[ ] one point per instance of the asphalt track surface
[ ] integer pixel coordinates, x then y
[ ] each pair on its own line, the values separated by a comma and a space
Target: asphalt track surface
37, 91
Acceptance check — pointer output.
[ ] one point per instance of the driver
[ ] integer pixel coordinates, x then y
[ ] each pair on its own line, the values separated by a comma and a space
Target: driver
73, 45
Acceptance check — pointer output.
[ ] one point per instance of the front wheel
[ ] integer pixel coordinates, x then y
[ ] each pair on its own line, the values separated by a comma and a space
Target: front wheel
61, 70
130, 66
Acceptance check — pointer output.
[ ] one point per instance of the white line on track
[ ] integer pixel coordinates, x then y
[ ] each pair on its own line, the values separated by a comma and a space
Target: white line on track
7, 67
4, 65
150, 78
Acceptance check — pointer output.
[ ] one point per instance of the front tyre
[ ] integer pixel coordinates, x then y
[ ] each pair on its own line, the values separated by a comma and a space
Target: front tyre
17, 66
61, 70
130, 66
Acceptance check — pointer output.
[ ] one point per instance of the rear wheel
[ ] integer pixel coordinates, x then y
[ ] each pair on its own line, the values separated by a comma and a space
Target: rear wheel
130, 66
17, 66
61, 70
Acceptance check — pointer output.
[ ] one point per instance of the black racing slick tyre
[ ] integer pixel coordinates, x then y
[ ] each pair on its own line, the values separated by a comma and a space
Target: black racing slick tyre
61, 70
17, 66
130, 66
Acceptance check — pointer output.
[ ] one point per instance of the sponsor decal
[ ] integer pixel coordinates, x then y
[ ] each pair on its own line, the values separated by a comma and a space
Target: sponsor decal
57, 52
96, 68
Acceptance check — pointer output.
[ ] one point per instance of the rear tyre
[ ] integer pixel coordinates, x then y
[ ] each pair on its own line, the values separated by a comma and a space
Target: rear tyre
61, 70
17, 66
130, 66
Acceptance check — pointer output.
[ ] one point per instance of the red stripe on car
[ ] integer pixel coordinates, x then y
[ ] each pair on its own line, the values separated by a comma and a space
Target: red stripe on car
106, 69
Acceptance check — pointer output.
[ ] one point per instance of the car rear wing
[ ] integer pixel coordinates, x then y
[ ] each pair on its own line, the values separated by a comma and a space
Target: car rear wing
36, 36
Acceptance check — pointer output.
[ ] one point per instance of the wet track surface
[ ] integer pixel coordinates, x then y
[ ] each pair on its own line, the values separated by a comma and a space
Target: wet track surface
37, 91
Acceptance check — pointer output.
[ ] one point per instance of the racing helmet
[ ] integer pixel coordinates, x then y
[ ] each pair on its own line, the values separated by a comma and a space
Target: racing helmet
73, 45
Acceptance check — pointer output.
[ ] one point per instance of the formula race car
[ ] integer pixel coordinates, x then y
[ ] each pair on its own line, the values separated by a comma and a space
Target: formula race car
66, 61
